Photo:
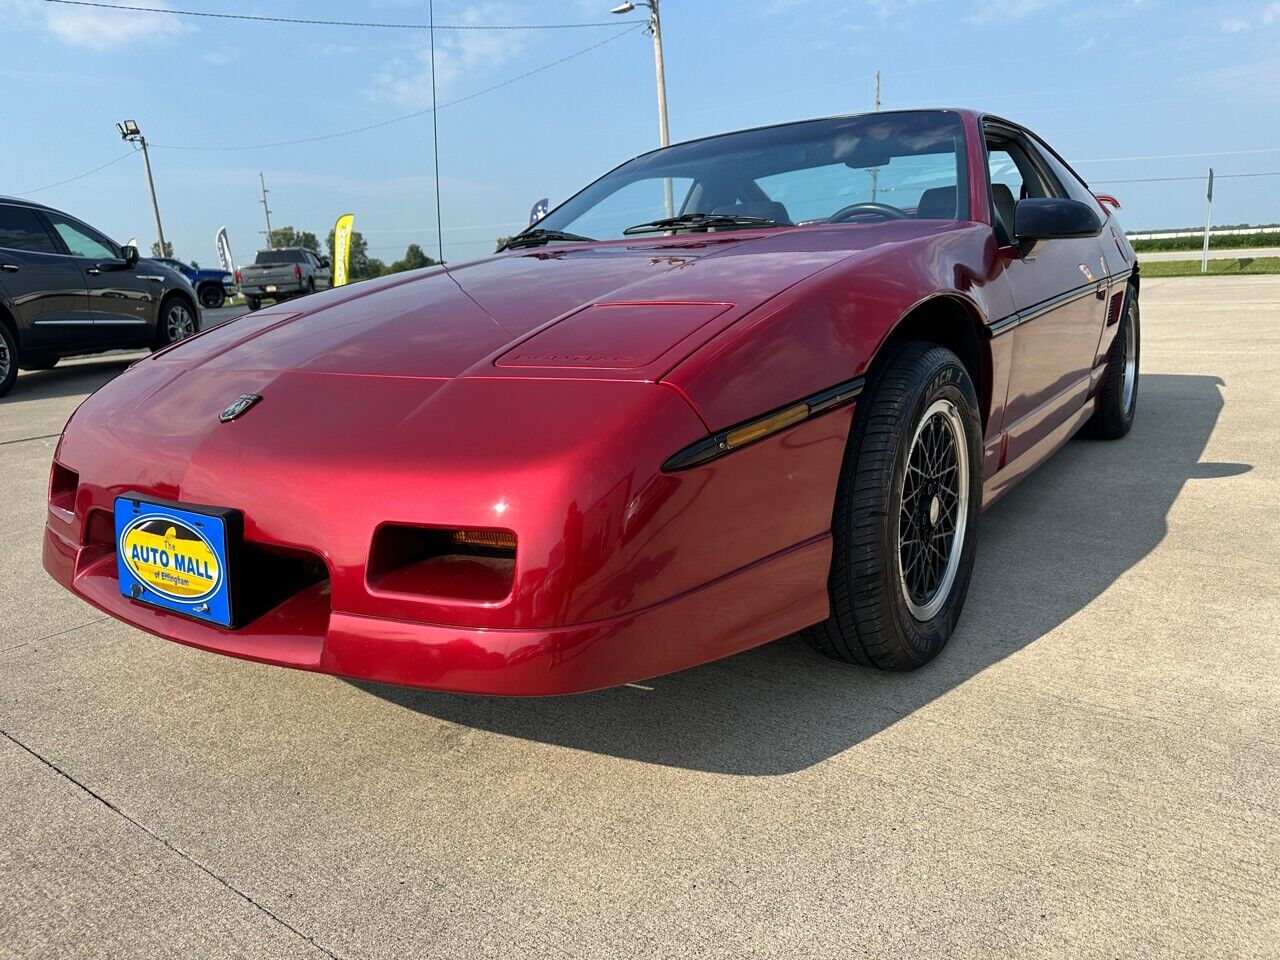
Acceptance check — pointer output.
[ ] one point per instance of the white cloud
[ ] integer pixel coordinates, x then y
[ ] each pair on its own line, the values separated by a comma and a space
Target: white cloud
1268, 15
221, 56
459, 54
100, 29
992, 11
92, 28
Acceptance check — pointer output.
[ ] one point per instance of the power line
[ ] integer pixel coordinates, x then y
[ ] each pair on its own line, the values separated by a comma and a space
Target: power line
78, 176
408, 116
1218, 176
1183, 156
344, 133
337, 23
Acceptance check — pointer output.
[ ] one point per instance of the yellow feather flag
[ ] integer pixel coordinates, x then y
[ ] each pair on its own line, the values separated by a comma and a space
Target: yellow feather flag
342, 249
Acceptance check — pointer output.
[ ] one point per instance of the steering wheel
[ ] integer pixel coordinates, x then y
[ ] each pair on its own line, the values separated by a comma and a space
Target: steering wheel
845, 214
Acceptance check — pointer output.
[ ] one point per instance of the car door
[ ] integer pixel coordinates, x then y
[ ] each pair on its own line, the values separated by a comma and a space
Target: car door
1059, 294
44, 288
123, 301
323, 275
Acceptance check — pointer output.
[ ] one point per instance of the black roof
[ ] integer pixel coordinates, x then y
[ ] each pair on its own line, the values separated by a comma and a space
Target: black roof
28, 203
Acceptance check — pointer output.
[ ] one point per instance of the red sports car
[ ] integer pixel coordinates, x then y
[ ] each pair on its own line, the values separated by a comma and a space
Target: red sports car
738, 387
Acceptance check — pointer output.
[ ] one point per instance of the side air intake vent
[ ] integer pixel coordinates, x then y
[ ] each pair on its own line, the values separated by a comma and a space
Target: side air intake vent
477, 566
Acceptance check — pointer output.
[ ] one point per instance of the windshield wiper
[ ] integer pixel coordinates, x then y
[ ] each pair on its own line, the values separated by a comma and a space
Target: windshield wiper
536, 238
699, 221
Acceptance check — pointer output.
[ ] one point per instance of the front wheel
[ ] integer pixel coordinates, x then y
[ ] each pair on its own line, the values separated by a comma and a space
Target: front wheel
906, 513
212, 296
177, 322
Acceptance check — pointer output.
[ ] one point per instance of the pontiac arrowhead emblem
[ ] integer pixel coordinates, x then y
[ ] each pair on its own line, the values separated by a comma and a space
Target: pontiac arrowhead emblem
238, 406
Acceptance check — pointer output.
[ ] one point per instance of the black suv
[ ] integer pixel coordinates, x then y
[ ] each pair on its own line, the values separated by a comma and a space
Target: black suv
65, 289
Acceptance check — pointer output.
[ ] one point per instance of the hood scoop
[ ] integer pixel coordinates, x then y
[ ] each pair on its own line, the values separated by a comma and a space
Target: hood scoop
613, 336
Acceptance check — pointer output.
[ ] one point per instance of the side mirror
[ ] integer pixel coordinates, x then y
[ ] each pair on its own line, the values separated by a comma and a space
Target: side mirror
324, 262
1053, 218
129, 254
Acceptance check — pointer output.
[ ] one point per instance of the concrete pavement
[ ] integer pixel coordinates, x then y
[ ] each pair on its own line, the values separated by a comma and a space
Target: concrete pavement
1088, 770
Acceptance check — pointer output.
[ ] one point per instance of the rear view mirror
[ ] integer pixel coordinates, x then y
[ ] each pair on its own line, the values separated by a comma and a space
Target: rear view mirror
1054, 218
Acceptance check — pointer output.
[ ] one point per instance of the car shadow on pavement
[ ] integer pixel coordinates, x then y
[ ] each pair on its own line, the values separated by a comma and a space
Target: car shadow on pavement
1046, 550
71, 379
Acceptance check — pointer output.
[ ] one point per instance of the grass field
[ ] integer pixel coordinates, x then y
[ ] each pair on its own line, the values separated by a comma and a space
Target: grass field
1191, 268
1226, 241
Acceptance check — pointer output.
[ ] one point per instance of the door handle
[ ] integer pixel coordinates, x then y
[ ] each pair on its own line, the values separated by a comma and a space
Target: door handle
9, 267
93, 271
1101, 292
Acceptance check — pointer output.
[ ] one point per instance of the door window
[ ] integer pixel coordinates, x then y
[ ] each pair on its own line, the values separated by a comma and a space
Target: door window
1014, 176
81, 241
1072, 185
21, 229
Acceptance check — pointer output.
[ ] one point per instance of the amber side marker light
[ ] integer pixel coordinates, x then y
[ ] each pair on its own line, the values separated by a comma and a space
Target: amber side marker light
493, 539
748, 432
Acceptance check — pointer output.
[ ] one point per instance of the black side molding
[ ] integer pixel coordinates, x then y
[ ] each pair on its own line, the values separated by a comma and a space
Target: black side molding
757, 428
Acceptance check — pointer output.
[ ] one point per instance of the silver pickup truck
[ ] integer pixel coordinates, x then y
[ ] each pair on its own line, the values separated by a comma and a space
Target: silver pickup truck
283, 274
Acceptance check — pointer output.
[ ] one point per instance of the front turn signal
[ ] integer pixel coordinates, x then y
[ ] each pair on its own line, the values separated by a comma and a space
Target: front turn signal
492, 539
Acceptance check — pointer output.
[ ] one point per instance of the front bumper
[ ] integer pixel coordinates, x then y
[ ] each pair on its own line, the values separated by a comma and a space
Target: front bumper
280, 289
621, 571
750, 606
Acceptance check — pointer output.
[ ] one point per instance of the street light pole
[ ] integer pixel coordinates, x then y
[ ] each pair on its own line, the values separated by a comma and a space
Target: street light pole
129, 131
655, 28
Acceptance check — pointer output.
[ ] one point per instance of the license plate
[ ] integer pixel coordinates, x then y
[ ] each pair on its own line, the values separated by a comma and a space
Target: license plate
270, 288
176, 557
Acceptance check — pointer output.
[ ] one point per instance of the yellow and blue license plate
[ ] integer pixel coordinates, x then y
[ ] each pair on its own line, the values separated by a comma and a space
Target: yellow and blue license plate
175, 557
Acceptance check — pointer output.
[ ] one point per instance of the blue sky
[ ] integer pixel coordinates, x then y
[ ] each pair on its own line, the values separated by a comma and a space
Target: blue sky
1118, 79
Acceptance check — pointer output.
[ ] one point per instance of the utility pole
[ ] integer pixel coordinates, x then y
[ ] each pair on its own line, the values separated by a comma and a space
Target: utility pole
655, 28
129, 131
1208, 218
875, 171
265, 209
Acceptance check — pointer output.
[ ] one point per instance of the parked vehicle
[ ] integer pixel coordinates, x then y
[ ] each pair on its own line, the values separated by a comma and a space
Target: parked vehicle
213, 287
282, 274
66, 289
742, 386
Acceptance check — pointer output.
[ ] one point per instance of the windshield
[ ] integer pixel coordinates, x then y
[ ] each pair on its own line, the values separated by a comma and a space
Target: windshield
280, 256
863, 169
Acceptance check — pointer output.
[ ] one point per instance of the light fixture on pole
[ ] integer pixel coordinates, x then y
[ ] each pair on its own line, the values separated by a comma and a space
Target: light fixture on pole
655, 28
129, 131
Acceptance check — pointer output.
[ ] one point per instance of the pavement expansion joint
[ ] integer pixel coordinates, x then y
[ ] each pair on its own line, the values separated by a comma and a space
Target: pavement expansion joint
161, 840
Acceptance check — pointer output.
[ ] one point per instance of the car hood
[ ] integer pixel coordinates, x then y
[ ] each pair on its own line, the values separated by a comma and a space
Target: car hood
456, 368
442, 323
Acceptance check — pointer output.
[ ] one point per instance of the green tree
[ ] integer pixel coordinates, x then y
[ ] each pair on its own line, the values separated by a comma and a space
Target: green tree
362, 266
289, 237
159, 251
414, 259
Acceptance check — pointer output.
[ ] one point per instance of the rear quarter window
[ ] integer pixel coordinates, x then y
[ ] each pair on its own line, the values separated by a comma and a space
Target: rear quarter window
21, 229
